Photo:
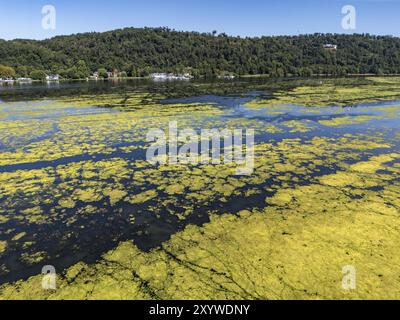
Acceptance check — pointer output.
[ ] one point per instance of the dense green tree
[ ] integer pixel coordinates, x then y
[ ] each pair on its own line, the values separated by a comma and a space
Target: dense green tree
6, 72
22, 71
103, 73
38, 75
82, 71
72, 73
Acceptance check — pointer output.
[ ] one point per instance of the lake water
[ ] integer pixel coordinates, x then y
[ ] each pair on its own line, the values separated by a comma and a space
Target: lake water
74, 181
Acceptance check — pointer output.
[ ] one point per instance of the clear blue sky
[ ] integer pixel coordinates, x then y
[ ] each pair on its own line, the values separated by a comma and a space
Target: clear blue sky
22, 18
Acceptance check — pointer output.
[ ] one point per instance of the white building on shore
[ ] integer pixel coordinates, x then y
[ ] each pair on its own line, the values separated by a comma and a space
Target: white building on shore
170, 76
53, 77
7, 80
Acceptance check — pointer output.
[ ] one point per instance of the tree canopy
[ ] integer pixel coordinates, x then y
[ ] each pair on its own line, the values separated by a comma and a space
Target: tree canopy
139, 52
38, 75
6, 72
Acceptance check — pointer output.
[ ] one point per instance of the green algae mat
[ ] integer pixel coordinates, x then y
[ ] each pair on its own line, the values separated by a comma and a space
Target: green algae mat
77, 194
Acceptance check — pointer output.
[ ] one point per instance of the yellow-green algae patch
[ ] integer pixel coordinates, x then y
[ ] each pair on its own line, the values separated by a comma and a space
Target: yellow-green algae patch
374, 164
269, 253
51, 139
19, 236
115, 195
295, 247
76, 188
33, 258
3, 219
143, 197
67, 203
347, 120
362, 174
281, 260
88, 195
3, 246
333, 93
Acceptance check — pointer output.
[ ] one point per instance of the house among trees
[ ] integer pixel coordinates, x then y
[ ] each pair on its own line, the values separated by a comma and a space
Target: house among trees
102, 73
113, 74
332, 47
159, 76
53, 77
94, 76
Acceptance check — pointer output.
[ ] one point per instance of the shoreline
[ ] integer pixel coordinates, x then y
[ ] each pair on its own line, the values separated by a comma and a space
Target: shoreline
257, 76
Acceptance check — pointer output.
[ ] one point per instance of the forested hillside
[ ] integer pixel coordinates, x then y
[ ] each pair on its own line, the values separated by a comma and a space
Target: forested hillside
140, 52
